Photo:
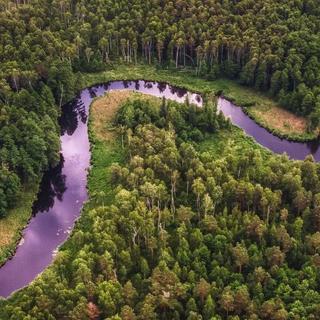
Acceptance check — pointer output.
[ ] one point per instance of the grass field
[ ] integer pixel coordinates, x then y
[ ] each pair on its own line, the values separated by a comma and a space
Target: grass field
281, 122
260, 107
280, 119
105, 145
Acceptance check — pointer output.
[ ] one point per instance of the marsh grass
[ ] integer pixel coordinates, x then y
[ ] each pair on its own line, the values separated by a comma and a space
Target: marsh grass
12, 225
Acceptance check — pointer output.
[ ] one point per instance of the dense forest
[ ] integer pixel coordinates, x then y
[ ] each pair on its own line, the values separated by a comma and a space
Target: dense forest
29, 131
273, 46
188, 235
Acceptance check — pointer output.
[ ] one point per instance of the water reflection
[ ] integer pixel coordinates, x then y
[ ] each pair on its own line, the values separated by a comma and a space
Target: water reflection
53, 185
82, 113
148, 85
162, 86
72, 113
178, 91
93, 92
137, 85
69, 118
106, 86
126, 84
313, 146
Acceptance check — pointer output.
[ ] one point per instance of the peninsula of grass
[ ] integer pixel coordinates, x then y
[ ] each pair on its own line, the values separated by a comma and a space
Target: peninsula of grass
261, 108
105, 143
281, 123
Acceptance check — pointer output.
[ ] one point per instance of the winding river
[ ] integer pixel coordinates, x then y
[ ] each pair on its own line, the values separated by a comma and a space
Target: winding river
295, 150
63, 189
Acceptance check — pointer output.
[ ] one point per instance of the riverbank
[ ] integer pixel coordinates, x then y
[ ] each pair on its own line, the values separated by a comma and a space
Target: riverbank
12, 225
281, 123
104, 143
261, 108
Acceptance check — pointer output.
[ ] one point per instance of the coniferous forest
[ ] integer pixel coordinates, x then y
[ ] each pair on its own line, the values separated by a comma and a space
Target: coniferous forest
187, 217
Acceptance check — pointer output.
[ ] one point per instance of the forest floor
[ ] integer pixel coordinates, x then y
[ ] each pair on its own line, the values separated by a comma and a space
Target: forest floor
263, 109
15, 221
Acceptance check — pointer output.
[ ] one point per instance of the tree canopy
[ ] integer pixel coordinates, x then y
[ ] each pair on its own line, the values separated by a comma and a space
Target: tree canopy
187, 235
273, 45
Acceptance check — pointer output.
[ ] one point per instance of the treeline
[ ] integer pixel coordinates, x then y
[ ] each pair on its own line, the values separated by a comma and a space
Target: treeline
188, 236
273, 46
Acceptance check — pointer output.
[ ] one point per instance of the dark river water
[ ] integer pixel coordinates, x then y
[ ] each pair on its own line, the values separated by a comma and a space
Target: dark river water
63, 189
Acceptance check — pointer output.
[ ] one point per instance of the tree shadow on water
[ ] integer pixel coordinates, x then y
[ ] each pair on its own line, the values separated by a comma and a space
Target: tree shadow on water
53, 186
71, 113
178, 91
313, 146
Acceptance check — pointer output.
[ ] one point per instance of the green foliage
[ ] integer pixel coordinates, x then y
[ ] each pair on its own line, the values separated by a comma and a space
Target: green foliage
190, 122
177, 232
62, 81
186, 232
239, 40
29, 140
9, 190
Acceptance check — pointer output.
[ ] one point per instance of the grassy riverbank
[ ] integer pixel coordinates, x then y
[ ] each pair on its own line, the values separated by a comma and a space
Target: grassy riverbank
105, 144
260, 107
281, 122
13, 224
